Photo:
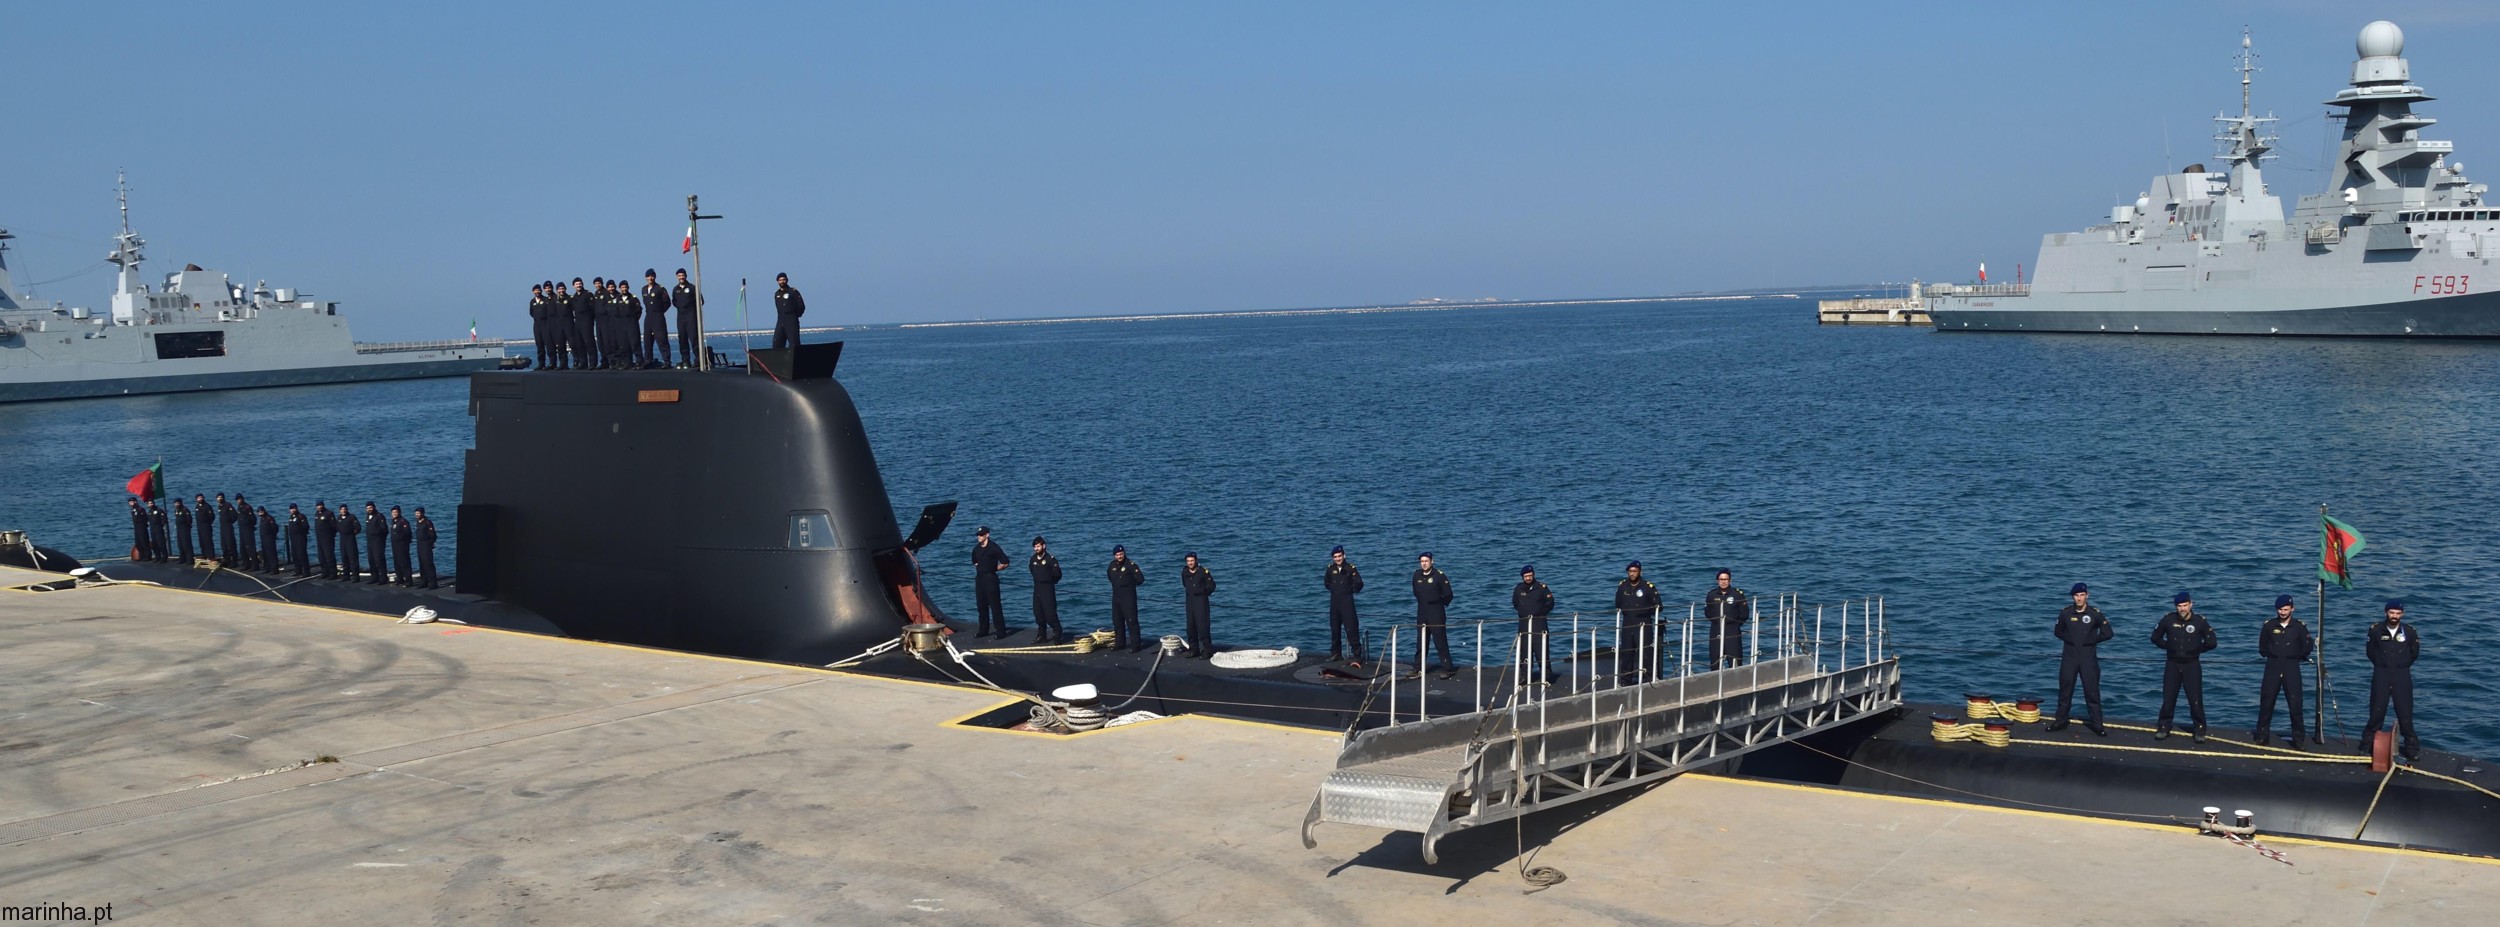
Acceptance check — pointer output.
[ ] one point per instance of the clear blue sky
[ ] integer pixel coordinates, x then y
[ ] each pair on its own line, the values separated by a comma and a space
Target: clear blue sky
424, 162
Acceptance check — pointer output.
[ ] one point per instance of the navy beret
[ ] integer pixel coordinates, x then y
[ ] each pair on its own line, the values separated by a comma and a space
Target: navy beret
1339, 549
2395, 605
1525, 570
984, 529
1192, 555
2181, 599
1037, 539
2078, 590
1426, 555
2282, 600
650, 272
681, 270
1634, 565
1119, 548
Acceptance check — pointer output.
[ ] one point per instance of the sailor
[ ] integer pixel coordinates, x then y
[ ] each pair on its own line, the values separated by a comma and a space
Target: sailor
182, 531
2393, 647
578, 312
270, 560
247, 535
139, 548
1125, 578
538, 323
1636, 623
654, 319
159, 549
1534, 602
788, 305
1724, 611
682, 297
402, 573
1432, 615
2184, 635
425, 549
225, 528
988, 560
603, 321
1342, 580
2080, 628
628, 314
207, 526
560, 326
325, 538
1197, 606
2285, 643
347, 543
1045, 570
376, 530
298, 540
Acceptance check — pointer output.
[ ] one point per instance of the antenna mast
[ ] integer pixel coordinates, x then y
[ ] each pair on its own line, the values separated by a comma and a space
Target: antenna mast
694, 243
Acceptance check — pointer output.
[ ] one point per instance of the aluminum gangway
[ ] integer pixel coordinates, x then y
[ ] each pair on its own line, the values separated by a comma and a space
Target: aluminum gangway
1603, 725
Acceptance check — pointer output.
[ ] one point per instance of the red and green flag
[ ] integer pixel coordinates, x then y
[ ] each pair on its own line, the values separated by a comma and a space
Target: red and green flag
150, 483
2337, 542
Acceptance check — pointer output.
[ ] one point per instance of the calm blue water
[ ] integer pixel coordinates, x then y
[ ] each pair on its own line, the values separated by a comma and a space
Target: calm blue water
1969, 479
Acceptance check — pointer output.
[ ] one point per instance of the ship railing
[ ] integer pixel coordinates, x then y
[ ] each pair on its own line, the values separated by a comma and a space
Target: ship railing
1979, 289
1586, 652
395, 347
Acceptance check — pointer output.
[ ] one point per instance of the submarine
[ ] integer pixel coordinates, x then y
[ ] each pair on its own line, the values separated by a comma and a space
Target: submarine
741, 512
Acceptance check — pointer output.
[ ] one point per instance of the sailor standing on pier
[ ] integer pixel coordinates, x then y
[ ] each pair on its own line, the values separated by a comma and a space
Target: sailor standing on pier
2286, 645
1724, 610
1636, 623
1125, 578
1432, 615
2393, 647
1534, 601
988, 560
2080, 628
1045, 569
2185, 635
1342, 581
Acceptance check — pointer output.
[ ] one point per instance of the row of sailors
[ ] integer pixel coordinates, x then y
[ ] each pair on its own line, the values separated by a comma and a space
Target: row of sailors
1636, 603
591, 326
323, 543
2184, 636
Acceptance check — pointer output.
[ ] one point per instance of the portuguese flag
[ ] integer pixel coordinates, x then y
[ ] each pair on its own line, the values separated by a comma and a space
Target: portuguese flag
150, 483
2337, 542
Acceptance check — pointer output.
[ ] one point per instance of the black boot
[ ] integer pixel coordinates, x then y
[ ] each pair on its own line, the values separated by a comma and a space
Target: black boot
2161, 732
2055, 726
2261, 738
2294, 743
2097, 729
2200, 734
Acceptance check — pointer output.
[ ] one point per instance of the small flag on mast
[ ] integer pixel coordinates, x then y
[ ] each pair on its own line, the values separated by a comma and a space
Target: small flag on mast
150, 483
689, 245
472, 328
2337, 542
1983, 271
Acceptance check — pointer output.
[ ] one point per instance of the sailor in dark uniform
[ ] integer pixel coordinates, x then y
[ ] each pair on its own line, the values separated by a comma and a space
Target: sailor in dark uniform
1125, 578
247, 535
654, 320
225, 529
1534, 601
2080, 629
603, 323
988, 560
1197, 606
325, 538
271, 561
788, 305
377, 531
2393, 647
206, 525
538, 323
579, 311
628, 327
402, 571
1432, 615
2286, 645
160, 548
298, 540
347, 543
182, 531
1636, 624
1342, 580
560, 326
2185, 635
425, 549
139, 548
1724, 611
1045, 570
682, 298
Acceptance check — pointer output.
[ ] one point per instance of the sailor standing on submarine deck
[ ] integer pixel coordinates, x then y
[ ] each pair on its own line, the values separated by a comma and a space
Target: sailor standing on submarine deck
2393, 646
1197, 593
1343, 581
2081, 628
1046, 573
2186, 636
1125, 578
988, 560
1432, 615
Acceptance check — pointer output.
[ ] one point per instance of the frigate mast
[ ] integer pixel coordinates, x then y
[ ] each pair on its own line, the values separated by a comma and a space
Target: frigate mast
127, 257
2247, 138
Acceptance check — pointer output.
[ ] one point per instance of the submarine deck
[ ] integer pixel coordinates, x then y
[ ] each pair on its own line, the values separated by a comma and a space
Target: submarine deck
152, 735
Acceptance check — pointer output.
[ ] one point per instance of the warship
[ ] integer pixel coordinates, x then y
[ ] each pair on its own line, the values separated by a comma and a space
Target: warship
2390, 249
198, 331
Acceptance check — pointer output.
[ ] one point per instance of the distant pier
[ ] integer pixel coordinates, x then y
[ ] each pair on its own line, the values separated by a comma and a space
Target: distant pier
1881, 310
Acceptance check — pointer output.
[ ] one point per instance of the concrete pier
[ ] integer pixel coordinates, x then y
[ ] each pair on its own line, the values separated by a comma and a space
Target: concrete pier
190, 758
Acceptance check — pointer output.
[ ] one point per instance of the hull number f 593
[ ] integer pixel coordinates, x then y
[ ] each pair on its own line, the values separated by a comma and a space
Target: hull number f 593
2451, 285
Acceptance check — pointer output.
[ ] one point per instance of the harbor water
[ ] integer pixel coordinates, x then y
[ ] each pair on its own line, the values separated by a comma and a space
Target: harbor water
1967, 479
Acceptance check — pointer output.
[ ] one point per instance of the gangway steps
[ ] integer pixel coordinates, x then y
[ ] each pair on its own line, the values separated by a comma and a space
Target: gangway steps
1459, 771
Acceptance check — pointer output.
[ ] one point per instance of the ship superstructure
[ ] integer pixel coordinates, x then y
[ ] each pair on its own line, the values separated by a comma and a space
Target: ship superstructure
2392, 248
198, 330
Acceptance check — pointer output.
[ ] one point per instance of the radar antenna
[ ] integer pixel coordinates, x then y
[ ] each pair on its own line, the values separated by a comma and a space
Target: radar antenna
2247, 138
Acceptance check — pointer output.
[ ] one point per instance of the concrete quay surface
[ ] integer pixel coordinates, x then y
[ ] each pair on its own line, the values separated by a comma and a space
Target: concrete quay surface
150, 742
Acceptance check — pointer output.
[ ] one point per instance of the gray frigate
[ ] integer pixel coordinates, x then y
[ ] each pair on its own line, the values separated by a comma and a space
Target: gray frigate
2392, 248
198, 331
